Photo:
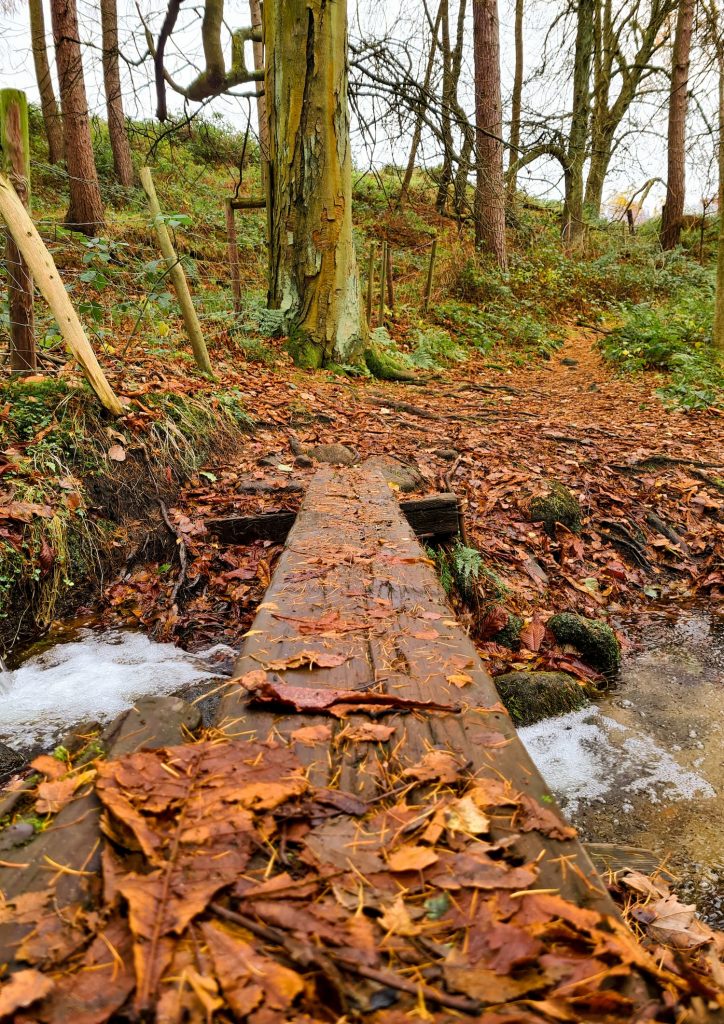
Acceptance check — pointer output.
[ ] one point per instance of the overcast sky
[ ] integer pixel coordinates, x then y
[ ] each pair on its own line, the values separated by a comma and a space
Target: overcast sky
642, 156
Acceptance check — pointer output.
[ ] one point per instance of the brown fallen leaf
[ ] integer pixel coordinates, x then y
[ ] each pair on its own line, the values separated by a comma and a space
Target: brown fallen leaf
674, 924
367, 732
532, 634
396, 919
49, 766
411, 858
23, 989
54, 795
307, 659
318, 699
117, 453
310, 735
532, 816
459, 679
464, 816
436, 765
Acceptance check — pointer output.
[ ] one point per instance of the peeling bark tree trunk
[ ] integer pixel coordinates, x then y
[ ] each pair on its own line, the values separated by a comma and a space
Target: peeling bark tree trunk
85, 212
122, 162
48, 103
718, 335
678, 102
313, 275
490, 187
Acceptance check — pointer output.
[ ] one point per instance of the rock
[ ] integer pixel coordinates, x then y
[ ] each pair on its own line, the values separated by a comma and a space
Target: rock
334, 454
16, 835
151, 723
509, 635
531, 696
558, 506
595, 640
448, 454
401, 474
303, 461
569, 362
10, 761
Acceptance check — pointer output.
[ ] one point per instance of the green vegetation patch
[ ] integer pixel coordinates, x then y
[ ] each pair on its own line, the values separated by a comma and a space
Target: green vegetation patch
557, 506
595, 640
532, 696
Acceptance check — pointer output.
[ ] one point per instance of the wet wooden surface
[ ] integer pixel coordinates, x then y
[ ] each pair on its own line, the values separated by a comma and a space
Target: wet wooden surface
355, 583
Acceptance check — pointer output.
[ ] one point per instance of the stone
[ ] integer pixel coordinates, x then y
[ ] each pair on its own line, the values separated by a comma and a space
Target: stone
303, 461
593, 639
10, 761
402, 475
333, 454
509, 635
569, 362
557, 506
16, 835
532, 696
448, 454
151, 723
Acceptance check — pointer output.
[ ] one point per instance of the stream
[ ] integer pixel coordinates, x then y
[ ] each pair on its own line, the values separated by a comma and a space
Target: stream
643, 766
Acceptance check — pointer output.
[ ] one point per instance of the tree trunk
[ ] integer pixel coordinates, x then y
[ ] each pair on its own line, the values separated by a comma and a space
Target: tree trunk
718, 335
122, 161
676, 175
516, 101
446, 113
48, 103
417, 131
313, 274
15, 162
85, 212
490, 186
258, 52
578, 138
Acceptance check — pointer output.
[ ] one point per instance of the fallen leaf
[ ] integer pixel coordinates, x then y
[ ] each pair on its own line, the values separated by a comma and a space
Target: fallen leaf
310, 735
318, 699
23, 989
307, 659
50, 766
436, 765
117, 453
464, 816
532, 634
411, 858
396, 920
367, 732
674, 924
459, 679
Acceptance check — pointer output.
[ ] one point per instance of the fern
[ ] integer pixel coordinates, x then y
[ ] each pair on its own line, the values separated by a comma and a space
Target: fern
467, 564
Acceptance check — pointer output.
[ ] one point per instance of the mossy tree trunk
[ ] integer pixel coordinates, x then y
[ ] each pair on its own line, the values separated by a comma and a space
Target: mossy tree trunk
578, 137
313, 274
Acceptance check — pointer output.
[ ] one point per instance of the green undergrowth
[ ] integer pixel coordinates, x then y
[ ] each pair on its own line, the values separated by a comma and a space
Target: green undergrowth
675, 338
74, 509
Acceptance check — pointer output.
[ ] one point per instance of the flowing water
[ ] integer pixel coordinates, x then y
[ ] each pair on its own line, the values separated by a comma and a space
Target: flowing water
644, 766
90, 676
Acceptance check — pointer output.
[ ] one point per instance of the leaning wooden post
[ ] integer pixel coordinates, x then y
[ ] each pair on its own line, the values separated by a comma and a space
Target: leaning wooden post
41, 266
15, 162
370, 284
390, 283
233, 249
383, 278
176, 273
430, 274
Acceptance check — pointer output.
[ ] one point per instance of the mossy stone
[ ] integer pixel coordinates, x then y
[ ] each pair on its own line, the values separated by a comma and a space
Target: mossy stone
532, 696
557, 506
595, 640
304, 352
509, 635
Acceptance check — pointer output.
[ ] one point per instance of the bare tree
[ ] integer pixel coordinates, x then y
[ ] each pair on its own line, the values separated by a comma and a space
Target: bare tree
578, 136
417, 131
490, 188
678, 102
120, 145
48, 103
715, 37
516, 100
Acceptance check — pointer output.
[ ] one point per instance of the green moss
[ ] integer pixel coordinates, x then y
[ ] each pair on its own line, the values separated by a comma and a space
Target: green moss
558, 506
305, 352
532, 696
509, 635
384, 367
595, 640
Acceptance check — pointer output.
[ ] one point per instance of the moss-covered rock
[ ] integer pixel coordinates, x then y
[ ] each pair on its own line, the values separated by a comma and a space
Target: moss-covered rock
557, 506
595, 640
531, 696
509, 635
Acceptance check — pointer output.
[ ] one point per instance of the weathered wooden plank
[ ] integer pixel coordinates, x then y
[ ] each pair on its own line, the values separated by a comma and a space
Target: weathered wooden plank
437, 515
354, 582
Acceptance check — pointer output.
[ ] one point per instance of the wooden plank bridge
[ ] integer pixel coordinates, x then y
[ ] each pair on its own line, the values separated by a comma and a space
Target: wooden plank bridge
363, 833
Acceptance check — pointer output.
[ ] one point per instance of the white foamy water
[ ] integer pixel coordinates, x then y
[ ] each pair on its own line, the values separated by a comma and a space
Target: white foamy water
586, 755
95, 676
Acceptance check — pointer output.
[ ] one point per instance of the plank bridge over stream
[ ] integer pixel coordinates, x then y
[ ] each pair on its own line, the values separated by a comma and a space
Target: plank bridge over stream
357, 665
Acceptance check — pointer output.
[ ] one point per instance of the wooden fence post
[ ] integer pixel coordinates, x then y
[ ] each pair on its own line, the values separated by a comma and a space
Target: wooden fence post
176, 273
41, 266
15, 162
370, 283
390, 283
233, 248
383, 278
430, 273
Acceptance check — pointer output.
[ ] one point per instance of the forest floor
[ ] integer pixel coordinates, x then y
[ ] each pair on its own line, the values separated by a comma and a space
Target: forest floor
649, 482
